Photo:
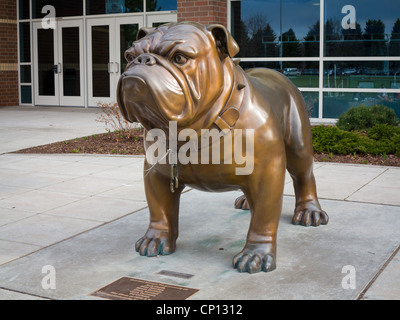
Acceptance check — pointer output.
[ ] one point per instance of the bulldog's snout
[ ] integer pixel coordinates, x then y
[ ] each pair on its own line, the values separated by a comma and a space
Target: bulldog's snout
145, 59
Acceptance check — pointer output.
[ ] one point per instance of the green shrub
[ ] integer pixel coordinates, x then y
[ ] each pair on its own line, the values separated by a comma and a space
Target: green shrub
332, 139
362, 117
380, 139
382, 131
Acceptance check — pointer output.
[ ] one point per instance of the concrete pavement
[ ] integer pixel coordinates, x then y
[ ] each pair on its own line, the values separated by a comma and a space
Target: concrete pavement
81, 214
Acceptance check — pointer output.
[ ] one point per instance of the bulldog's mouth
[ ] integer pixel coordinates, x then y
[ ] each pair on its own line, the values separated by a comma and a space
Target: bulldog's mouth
157, 85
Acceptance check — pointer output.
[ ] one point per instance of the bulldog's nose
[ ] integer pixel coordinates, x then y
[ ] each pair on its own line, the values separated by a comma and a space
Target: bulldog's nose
146, 59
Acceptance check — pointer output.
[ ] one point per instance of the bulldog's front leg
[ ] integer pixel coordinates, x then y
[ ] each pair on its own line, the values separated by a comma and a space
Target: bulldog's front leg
265, 201
161, 235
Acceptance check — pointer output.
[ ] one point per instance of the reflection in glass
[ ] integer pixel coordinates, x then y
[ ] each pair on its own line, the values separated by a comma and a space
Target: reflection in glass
270, 28
46, 61
100, 60
24, 42
127, 34
113, 6
335, 103
362, 74
303, 74
376, 31
63, 8
71, 61
312, 103
161, 5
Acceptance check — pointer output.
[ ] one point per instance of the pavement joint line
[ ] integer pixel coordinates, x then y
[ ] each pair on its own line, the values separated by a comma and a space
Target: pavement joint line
352, 201
26, 293
372, 203
345, 199
383, 267
21, 242
103, 223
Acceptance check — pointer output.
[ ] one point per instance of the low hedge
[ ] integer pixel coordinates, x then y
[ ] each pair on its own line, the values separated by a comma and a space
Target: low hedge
381, 139
362, 117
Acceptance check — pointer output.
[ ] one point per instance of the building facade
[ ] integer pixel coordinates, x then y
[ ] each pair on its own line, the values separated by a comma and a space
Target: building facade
340, 53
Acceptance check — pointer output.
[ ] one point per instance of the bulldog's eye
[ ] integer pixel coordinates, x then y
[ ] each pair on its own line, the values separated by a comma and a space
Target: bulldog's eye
180, 59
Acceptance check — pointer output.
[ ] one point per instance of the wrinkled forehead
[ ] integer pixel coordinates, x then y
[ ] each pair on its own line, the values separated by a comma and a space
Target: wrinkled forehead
188, 37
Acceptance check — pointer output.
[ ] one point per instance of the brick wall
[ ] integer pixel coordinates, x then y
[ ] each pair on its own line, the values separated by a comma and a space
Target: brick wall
8, 53
205, 12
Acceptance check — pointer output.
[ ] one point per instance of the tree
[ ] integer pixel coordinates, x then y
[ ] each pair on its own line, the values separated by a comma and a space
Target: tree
333, 32
291, 45
394, 47
374, 38
261, 37
353, 44
311, 41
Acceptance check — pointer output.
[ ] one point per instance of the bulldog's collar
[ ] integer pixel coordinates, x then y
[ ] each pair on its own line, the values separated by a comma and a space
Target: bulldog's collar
230, 112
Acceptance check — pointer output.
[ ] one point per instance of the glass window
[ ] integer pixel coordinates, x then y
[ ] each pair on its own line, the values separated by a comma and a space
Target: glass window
63, 8
302, 73
272, 28
24, 42
46, 62
26, 94
335, 103
25, 74
70, 62
366, 28
362, 74
113, 6
312, 103
100, 61
161, 5
23, 7
127, 34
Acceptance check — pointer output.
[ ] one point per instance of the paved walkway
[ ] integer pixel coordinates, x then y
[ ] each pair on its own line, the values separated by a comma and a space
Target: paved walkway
81, 215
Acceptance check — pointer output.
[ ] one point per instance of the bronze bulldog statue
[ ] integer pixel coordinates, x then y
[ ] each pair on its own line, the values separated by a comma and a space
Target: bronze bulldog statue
183, 73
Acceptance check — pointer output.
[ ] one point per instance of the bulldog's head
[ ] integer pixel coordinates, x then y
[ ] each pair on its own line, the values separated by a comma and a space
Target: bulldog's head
176, 72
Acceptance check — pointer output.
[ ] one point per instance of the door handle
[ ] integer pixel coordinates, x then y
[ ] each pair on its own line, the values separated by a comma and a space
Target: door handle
117, 71
57, 68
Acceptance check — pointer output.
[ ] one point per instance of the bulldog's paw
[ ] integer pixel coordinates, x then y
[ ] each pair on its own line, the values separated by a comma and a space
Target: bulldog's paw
155, 243
255, 258
309, 214
241, 203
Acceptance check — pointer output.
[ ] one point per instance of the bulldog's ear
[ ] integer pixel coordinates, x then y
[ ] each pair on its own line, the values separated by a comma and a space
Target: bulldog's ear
224, 40
143, 32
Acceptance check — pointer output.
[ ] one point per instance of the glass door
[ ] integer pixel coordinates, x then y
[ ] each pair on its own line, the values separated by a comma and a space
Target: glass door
108, 38
45, 65
70, 63
58, 64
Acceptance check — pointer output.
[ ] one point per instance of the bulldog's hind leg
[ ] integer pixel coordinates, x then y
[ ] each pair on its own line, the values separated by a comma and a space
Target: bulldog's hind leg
299, 153
161, 235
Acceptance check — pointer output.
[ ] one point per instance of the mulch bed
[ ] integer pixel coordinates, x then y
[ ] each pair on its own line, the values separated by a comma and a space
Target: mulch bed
132, 144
